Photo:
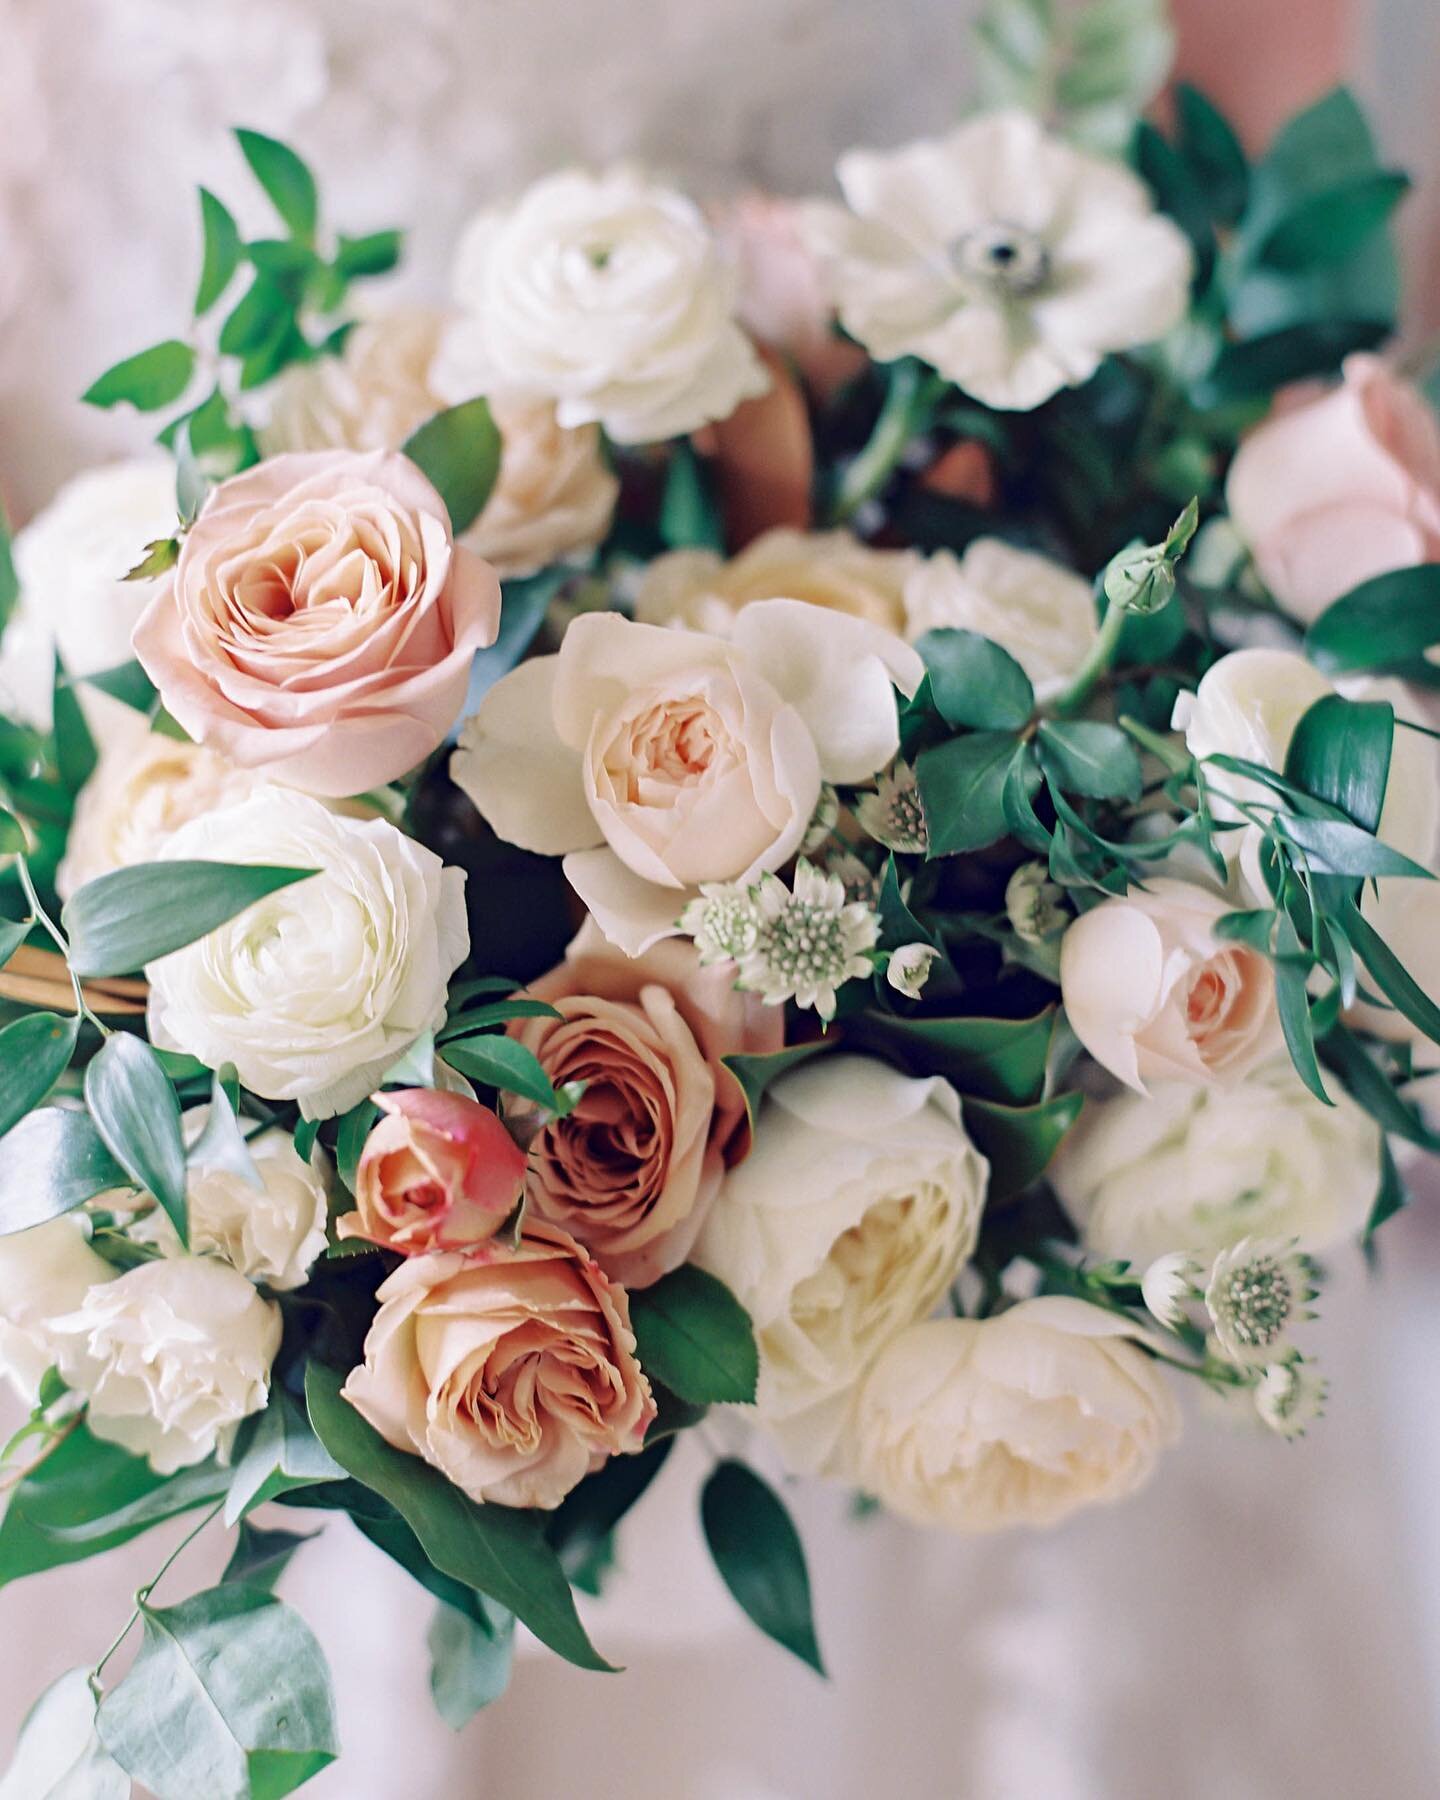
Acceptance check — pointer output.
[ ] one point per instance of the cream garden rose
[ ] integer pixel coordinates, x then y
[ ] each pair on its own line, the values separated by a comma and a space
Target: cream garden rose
1002, 256
319, 623
45, 1272
315, 991
1199, 1169
1018, 1419
1154, 995
171, 1356
832, 569
655, 760
854, 1212
1038, 610
512, 1371
608, 295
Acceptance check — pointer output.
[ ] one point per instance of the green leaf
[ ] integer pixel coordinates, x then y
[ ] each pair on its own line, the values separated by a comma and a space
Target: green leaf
760, 1558
75, 753
58, 1755
189, 1488
260, 1558
221, 1143
500, 1062
9, 581
258, 318
138, 1117
147, 381
228, 1697
119, 922
375, 254
696, 1337
973, 682
689, 517
160, 554
285, 178
469, 1666
585, 1520
1293, 1004
350, 1140
995, 1059
1255, 367
51, 1161
1387, 622
278, 1453
34, 1053
1340, 753
1179, 193
1336, 847
459, 452
1019, 1141
478, 1018
1255, 928
500, 1551
221, 255
962, 787
898, 925
1390, 1198
755, 1073
1022, 780
1368, 1083
1084, 756
1327, 227
1390, 974
1209, 144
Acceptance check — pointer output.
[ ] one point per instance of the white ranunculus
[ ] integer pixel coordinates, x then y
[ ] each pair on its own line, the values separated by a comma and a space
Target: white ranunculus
656, 761
44, 1272
316, 990
369, 397
1037, 609
854, 1212
172, 1355
1006, 259
1019, 1419
608, 295
1198, 1169
71, 561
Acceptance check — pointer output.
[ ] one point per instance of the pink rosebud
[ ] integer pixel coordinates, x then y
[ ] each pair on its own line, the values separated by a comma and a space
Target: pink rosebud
438, 1172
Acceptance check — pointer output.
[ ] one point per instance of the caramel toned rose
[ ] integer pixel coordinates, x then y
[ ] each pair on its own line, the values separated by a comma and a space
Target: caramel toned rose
632, 1171
511, 1370
320, 624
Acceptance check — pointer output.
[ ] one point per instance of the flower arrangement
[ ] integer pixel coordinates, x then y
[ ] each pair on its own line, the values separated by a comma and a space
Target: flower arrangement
823, 809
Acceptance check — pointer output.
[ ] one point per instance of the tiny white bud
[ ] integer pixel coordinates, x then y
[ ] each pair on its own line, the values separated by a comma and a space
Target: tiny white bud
1290, 1396
1032, 904
909, 968
1169, 1286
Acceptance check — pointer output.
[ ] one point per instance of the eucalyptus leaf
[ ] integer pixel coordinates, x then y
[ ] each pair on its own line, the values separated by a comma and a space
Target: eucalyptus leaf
696, 1337
261, 1557
277, 1453
148, 380
119, 922
760, 1558
1390, 975
1293, 1005
1336, 847
34, 1053
459, 451
1390, 1198
52, 1161
1368, 1084
75, 752
469, 1666
137, 1114
974, 683
58, 1755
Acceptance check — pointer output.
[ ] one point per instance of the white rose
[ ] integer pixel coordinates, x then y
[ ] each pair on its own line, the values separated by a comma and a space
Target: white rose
854, 1212
1009, 261
553, 497
272, 1233
607, 295
44, 1272
1198, 1169
1038, 610
654, 760
71, 561
314, 991
1248, 705
1019, 1419
172, 1355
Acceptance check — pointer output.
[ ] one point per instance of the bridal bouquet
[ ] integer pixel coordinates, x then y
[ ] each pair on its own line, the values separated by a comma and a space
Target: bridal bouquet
819, 809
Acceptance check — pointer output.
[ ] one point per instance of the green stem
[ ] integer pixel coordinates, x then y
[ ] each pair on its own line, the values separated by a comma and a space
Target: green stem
143, 1594
60, 941
907, 399
1096, 663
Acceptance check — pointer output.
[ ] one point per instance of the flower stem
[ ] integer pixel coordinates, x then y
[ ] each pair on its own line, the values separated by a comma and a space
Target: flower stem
143, 1594
907, 399
1098, 660
60, 942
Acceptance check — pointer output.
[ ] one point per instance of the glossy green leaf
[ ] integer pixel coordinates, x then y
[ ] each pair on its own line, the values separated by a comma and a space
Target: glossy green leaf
179, 1493
34, 1053
469, 1666
898, 925
689, 516
585, 1520
459, 452
974, 683
1391, 1196
75, 752
119, 922
962, 785
1253, 368
1336, 847
1385, 623
220, 256
1340, 753
229, 1697
285, 178
58, 1755
1292, 1002
1209, 144
260, 1557
760, 1558
276, 1453
1019, 1142
1369, 1084
1329, 226
995, 1059
1085, 756
147, 381
500, 1062
696, 1337
500, 1551
137, 1114
755, 1073
53, 1160
1390, 975
1022, 782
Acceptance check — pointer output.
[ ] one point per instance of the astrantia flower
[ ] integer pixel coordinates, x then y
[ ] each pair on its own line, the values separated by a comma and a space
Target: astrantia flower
1290, 1396
893, 815
858, 881
822, 821
1257, 1292
810, 942
1009, 261
1032, 904
1169, 1285
724, 922
909, 969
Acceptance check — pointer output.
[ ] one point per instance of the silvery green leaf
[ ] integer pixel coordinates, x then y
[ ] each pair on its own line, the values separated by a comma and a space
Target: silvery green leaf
58, 1756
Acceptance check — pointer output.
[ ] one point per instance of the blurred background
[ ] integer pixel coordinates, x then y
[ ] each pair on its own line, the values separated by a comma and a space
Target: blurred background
1264, 1621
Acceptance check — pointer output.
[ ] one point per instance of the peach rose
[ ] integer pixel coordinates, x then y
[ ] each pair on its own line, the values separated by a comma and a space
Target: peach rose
512, 1371
320, 624
1330, 492
438, 1172
1154, 995
633, 1170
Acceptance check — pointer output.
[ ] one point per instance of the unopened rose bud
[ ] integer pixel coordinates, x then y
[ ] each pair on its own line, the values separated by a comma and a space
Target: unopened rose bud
1142, 577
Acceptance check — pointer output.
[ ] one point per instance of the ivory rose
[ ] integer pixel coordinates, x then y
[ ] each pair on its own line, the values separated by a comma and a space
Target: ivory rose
45, 1272
1019, 1419
318, 989
319, 624
438, 1172
832, 569
171, 1356
1154, 995
1330, 492
655, 760
849, 1219
607, 295
632, 1171
512, 1371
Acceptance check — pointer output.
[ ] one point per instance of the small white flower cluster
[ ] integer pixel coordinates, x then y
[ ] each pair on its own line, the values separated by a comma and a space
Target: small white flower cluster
801, 943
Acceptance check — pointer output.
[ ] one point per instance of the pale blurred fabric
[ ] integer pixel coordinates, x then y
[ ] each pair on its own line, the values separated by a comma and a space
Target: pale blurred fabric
1264, 1622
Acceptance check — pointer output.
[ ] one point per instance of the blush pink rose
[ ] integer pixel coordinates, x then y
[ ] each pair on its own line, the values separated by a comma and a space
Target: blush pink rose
1330, 492
438, 1172
633, 1170
320, 623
